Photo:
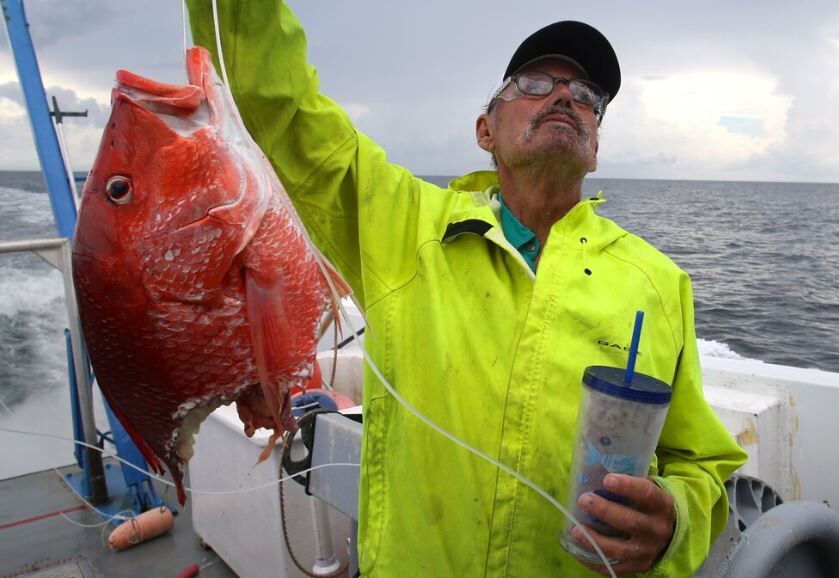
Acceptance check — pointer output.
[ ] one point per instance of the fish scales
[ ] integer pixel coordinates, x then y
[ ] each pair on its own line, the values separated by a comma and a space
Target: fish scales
196, 283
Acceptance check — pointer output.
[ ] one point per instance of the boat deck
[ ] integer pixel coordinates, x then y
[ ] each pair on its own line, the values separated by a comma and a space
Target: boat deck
36, 541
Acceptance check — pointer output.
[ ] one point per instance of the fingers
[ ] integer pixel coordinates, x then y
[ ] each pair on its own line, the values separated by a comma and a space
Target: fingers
621, 550
652, 518
624, 556
643, 493
620, 517
646, 525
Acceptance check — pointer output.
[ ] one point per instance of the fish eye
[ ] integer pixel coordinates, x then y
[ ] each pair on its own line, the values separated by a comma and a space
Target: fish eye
119, 189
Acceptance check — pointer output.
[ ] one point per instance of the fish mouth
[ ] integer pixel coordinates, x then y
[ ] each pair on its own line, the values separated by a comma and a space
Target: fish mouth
183, 118
177, 99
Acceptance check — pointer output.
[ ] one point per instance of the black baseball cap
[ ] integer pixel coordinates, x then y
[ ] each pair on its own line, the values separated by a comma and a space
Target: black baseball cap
578, 42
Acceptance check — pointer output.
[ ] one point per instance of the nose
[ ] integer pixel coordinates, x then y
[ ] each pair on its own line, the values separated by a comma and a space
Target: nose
561, 92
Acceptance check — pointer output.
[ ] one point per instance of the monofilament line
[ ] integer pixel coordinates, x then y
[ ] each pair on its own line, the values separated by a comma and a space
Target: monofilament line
167, 482
439, 429
218, 45
183, 30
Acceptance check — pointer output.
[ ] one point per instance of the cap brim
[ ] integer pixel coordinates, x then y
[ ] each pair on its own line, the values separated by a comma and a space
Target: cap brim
577, 42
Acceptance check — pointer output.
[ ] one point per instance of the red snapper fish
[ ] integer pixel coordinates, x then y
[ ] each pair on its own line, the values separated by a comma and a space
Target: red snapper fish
196, 282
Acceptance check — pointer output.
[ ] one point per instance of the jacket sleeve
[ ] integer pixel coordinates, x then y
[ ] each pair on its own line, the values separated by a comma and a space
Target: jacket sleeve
359, 209
695, 456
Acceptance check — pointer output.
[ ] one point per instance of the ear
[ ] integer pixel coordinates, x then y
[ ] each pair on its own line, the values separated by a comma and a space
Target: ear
484, 132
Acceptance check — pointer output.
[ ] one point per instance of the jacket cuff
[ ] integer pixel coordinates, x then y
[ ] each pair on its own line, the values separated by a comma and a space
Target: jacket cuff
680, 531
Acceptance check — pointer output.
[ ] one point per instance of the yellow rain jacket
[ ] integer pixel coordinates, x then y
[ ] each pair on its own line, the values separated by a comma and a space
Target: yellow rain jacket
470, 336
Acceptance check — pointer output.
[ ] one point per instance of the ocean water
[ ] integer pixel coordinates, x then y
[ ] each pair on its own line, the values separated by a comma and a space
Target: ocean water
764, 259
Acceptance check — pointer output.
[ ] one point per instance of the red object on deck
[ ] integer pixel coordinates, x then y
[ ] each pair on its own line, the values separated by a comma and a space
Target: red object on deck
189, 571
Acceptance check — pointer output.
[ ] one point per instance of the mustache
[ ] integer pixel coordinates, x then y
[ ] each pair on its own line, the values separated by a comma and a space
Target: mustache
557, 109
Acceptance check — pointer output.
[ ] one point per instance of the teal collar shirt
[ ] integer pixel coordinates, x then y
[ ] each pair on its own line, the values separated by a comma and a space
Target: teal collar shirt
519, 236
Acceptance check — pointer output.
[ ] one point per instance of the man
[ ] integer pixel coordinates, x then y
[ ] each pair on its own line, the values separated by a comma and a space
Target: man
486, 302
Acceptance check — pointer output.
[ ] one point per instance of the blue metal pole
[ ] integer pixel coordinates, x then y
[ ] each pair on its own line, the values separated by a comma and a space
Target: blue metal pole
75, 404
46, 141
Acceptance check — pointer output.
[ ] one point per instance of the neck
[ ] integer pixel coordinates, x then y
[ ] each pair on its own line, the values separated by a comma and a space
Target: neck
540, 198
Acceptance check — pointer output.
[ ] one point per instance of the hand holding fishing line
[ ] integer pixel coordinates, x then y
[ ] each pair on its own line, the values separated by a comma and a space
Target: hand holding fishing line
648, 524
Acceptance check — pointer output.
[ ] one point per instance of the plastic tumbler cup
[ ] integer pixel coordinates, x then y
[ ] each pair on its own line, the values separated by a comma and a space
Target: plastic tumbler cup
617, 432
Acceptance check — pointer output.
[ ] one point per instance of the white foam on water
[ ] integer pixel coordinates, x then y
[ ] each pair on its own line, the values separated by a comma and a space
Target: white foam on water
710, 348
26, 290
32, 305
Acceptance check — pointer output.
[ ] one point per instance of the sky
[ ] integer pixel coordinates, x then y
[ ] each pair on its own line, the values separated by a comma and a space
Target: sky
711, 90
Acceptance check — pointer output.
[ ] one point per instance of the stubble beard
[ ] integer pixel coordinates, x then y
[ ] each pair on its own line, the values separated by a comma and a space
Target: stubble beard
569, 143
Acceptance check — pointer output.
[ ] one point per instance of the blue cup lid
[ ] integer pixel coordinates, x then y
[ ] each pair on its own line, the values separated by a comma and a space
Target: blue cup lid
643, 389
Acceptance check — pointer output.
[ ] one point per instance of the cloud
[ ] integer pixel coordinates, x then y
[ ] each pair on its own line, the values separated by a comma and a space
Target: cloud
449, 149
68, 100
693, 124
17, 147
17, 151
711, 90
356, 111
809, 151
11, 91
57, 20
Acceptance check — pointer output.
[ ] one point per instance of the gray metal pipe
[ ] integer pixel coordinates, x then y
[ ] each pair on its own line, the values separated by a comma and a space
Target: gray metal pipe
793, 540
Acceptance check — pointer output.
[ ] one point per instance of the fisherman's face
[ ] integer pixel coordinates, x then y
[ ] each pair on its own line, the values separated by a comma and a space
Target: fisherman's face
548, 129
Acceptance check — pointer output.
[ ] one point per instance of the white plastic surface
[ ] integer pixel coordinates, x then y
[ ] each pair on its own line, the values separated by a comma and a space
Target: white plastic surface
787, 418
245, 528
784, 417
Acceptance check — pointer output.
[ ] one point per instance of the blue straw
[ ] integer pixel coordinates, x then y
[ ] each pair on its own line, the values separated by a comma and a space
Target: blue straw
633, 347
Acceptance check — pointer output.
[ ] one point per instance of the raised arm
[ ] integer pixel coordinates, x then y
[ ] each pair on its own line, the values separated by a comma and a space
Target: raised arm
350, 198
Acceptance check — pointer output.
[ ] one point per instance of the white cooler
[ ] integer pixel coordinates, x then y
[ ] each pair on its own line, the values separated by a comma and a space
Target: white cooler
245, 529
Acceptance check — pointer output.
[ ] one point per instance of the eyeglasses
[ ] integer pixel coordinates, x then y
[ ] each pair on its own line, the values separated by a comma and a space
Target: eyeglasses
541, 84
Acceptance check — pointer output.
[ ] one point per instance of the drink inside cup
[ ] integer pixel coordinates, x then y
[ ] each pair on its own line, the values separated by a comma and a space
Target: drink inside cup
618, 428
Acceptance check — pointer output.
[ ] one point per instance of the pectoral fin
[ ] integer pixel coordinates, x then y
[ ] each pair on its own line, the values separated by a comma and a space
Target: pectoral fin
270, 336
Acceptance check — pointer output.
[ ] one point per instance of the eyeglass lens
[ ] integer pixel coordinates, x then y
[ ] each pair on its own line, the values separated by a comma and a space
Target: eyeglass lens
542, 84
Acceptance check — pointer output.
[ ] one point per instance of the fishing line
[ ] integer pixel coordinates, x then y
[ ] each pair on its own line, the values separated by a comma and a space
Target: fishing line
103, 524
118, 516
90, 506
162, 480
324, 267
218, 45
183, 30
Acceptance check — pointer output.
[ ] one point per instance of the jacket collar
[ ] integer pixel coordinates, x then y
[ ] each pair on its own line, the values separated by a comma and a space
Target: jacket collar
478, 212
